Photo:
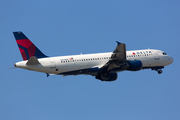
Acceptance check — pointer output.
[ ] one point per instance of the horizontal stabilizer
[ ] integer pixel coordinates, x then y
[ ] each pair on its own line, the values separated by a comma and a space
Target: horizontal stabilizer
32, 61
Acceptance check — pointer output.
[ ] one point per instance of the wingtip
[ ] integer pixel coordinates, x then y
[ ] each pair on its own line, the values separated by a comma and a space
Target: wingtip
118, 43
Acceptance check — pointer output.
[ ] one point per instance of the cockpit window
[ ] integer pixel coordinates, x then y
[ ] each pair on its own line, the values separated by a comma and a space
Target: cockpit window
164, 53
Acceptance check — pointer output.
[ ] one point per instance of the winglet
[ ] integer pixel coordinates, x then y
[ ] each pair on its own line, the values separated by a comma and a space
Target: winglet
118, 43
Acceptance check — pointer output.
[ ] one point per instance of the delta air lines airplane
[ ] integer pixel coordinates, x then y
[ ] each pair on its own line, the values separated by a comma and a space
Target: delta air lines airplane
104, 66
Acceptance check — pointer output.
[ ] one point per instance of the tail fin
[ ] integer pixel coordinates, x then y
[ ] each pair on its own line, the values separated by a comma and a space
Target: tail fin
26, 47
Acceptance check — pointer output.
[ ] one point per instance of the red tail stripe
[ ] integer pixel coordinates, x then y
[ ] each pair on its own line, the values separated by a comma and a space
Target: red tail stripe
24, 42
31, 50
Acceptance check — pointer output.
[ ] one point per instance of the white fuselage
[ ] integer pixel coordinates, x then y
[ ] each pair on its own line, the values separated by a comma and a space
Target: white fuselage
61, 64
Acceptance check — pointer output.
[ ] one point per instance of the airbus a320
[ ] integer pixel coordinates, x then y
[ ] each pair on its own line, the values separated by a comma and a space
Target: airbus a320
104, 66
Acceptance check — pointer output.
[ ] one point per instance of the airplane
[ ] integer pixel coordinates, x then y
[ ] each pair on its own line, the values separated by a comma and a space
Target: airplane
104, 66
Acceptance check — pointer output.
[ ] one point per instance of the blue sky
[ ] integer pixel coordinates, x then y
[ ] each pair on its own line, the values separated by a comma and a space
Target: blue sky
86, 26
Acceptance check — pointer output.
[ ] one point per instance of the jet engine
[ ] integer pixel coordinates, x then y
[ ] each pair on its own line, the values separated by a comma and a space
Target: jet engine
107, 76
134, 65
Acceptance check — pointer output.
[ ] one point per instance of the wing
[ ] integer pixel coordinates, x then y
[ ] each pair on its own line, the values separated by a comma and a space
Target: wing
118, 56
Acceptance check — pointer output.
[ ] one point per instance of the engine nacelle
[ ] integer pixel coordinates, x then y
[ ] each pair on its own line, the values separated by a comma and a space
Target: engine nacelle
134, 65
107, 76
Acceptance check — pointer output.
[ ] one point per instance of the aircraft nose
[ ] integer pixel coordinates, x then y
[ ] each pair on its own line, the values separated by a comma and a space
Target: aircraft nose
171, 59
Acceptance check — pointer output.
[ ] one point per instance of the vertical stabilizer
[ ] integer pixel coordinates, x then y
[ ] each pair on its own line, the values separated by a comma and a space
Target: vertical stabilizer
26, 47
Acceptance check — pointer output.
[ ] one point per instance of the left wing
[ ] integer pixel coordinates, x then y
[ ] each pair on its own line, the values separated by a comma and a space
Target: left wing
118, 57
